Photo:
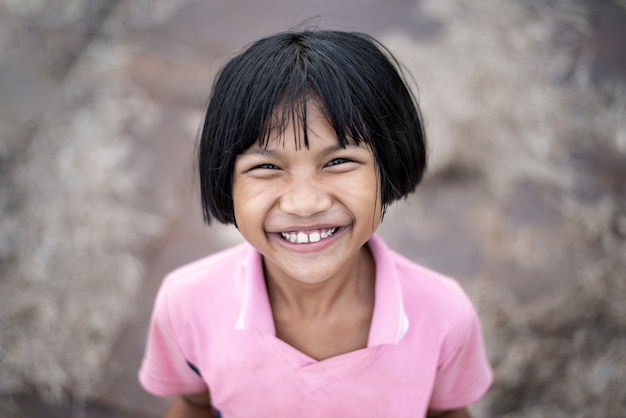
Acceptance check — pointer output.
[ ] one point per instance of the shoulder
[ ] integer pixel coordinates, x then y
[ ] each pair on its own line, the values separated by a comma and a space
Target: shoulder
414, 278
208, 283
206, 288
423, 289
210, 269
421, 280
442, 296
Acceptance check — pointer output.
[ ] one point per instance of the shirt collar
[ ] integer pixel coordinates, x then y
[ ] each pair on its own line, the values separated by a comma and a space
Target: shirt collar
256, 312
389, 320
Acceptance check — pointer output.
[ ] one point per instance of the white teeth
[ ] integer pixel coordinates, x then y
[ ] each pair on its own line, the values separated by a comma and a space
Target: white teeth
303, 237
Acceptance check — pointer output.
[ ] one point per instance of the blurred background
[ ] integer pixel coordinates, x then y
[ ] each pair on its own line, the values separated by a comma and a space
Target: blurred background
524, 203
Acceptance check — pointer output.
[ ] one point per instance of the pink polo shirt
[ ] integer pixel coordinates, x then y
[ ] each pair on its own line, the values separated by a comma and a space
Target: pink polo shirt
424, 350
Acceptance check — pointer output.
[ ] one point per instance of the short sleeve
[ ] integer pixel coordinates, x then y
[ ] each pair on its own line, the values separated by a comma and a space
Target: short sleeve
165, 370
464, 373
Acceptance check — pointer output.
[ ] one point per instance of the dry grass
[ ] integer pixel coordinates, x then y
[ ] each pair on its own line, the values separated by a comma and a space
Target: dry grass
72, 230
503, 101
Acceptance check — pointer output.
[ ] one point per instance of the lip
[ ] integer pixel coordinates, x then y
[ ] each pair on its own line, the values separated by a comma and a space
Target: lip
309, 246
305, 228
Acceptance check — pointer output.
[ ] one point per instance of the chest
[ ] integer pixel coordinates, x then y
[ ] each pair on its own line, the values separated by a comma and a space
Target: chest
261, 375
325, 338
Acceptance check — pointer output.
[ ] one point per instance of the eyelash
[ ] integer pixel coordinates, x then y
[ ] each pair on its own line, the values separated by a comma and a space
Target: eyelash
333, 162
266, 166
337, 161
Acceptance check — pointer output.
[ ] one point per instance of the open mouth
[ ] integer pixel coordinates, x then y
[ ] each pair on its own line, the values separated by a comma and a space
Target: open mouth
301, 237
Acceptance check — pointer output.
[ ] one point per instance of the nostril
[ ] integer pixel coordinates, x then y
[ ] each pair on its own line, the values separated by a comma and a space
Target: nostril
305, 201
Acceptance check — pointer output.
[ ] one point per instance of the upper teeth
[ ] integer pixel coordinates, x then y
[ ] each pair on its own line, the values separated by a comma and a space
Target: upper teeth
303, 237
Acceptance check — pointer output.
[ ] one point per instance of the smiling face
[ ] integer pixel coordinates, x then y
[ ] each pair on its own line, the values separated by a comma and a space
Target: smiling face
308, 211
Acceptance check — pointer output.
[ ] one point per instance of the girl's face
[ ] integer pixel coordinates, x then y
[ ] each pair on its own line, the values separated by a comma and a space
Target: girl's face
308, 211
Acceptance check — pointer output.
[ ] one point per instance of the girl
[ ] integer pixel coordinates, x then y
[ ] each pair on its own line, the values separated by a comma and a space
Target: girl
308, 137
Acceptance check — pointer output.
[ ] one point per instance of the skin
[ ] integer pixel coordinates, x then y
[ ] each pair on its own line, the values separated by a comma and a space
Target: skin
201, 408
321, 292
456, 413
190, 406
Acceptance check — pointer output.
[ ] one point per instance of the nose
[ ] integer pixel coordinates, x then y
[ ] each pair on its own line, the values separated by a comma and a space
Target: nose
305, 198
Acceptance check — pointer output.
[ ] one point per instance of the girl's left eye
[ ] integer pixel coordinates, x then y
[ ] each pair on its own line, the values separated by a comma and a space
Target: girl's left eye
337, 161
266, 166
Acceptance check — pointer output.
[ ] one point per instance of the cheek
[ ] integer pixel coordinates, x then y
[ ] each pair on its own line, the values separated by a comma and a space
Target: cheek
252, 200
370, 185
375, 194
362, 194
242, 201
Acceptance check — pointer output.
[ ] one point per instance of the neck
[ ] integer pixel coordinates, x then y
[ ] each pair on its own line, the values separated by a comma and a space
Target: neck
354, 285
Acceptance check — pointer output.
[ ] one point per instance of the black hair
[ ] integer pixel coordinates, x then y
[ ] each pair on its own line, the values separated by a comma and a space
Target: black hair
357, 84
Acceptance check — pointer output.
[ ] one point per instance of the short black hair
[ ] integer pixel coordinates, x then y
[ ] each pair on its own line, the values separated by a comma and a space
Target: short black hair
356, 82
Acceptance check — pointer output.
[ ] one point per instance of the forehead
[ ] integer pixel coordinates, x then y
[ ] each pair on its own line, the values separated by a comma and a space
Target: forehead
299, 123
311, 133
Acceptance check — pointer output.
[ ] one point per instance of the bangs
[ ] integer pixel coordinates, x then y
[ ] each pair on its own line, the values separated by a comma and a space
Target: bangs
353, 80
306, 81
291, 111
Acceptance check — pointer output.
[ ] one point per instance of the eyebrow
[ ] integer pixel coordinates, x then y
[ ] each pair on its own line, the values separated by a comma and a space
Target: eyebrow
262, 151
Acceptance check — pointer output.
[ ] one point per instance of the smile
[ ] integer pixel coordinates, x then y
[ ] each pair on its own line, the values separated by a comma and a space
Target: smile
302, 237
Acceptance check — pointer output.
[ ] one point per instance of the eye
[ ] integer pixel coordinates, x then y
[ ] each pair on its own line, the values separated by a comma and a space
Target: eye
337, 161
266, 167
